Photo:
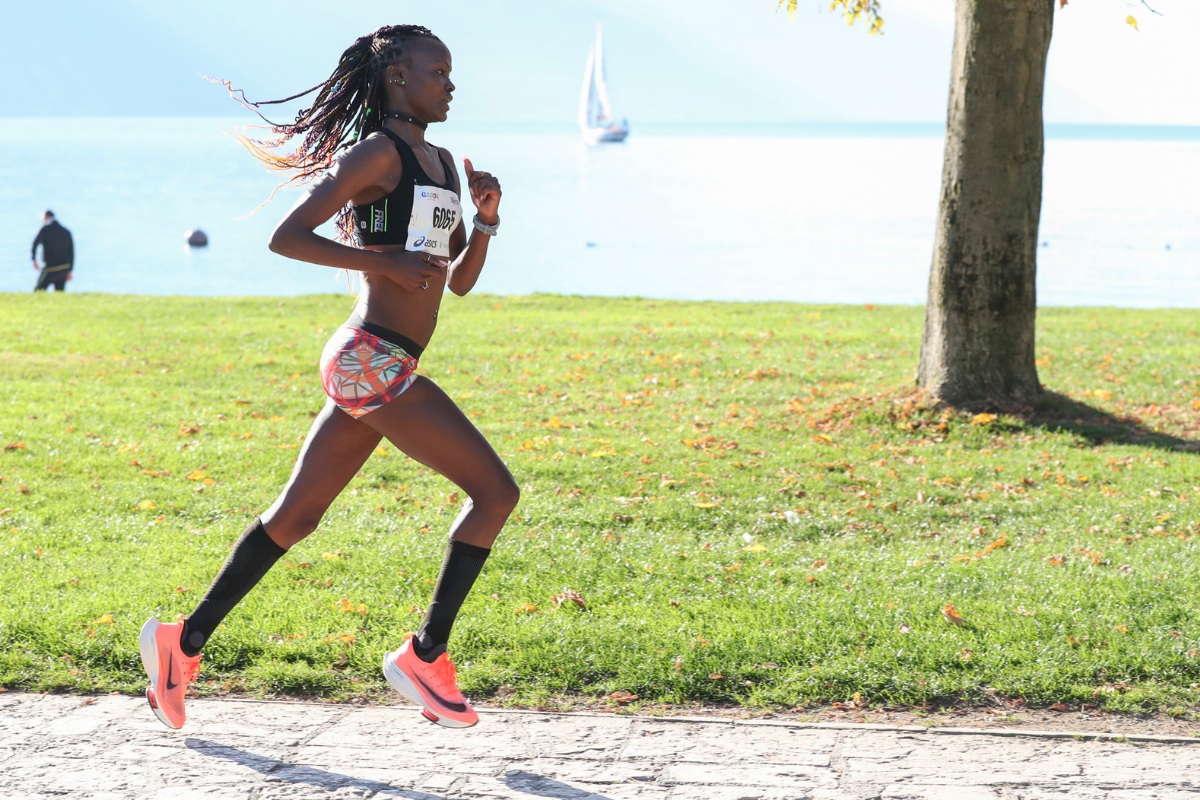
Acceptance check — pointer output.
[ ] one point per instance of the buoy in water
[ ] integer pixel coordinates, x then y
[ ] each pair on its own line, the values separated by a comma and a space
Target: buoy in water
196, 238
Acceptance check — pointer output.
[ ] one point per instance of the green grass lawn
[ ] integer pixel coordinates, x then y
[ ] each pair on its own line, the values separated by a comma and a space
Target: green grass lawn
750, 501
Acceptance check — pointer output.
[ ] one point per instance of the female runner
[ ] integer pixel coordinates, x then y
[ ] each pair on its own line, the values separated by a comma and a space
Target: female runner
397, 196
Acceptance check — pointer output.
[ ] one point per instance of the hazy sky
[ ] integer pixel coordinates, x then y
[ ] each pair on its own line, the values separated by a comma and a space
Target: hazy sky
522, 60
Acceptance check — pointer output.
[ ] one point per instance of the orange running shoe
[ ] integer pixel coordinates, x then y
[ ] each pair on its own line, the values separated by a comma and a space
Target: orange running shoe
169, 669
431, 686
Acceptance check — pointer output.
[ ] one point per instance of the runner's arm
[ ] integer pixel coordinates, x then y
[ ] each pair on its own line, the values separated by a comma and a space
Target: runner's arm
357, 174
469, 254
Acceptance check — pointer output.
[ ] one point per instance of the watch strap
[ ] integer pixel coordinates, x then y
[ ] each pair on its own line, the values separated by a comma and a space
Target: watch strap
483, 227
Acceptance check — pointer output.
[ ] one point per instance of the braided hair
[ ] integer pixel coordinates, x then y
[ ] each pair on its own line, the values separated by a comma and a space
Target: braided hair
348, 107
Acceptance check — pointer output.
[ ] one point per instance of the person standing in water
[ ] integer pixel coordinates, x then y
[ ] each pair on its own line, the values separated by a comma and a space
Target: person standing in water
396, 200
58, 254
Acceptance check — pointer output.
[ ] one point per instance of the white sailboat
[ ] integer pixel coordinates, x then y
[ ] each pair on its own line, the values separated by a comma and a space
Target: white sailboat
595, 113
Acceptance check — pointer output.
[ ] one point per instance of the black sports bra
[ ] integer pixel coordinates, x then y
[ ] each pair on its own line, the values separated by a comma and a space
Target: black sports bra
419, 213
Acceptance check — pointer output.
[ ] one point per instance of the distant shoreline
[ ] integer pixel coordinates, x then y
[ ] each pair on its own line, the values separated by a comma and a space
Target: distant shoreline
804, 129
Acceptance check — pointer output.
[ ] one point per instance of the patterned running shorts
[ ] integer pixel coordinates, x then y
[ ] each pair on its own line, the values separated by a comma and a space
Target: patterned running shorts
360, 371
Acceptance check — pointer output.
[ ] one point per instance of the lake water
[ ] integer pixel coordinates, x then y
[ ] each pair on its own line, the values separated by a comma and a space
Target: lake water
817, 213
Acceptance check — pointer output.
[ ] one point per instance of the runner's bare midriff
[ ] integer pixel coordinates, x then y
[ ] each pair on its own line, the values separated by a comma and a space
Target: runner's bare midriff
414, 314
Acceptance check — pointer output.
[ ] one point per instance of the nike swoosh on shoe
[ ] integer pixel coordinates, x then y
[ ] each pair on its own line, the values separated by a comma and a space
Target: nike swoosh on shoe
448, 704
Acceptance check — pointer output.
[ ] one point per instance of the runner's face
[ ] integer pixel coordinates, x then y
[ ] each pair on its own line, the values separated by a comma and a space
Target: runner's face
428, 88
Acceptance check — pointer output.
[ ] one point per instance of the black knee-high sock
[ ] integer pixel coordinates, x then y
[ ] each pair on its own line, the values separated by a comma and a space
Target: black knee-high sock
459, 571
253, 554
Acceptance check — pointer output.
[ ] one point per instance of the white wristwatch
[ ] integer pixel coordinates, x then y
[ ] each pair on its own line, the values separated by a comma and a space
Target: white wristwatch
483, 227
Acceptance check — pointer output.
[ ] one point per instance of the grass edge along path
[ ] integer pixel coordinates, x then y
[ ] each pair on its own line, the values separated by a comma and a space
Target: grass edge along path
725, 503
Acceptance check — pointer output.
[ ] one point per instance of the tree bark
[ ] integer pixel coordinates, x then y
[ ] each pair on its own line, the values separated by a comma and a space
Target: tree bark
978, 345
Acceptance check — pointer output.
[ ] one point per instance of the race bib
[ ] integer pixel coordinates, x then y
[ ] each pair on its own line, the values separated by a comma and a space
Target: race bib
435, 213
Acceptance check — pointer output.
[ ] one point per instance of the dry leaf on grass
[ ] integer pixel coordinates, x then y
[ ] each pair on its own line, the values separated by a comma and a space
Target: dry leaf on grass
951, 615
569, 596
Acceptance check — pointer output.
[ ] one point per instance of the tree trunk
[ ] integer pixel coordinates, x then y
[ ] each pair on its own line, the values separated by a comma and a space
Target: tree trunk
978, 346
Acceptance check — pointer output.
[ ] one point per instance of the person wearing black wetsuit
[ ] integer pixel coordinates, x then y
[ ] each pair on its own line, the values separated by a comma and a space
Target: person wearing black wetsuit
58, 254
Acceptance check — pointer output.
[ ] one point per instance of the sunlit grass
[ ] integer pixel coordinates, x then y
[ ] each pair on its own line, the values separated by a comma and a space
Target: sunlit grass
750, 502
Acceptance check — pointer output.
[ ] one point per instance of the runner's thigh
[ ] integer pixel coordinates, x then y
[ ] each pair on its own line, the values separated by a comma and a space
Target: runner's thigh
426, 425
336, 448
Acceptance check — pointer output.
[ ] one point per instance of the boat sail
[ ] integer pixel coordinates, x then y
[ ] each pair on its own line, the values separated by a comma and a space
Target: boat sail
595, 113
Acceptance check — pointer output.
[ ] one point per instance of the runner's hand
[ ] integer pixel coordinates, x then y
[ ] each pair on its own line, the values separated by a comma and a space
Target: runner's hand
417, 271
485, 193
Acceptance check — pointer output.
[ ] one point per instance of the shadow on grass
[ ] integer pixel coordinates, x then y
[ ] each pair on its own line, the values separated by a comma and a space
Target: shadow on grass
1061, 414
298, 774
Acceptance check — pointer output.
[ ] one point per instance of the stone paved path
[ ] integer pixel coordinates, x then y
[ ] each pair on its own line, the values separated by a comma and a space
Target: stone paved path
113, 747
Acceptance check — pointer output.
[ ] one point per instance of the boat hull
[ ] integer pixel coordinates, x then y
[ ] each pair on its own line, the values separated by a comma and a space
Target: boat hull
604, 135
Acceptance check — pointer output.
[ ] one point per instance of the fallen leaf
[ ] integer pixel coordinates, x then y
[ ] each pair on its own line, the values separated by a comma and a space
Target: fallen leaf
346, 607
856, 703
951, 615
622, 697
569, 596
1001, 542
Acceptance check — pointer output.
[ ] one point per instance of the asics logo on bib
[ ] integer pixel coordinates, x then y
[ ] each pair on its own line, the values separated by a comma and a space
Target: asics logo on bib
435, 213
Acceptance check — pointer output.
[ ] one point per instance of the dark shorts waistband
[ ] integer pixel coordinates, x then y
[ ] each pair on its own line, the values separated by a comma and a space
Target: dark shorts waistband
387, 334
